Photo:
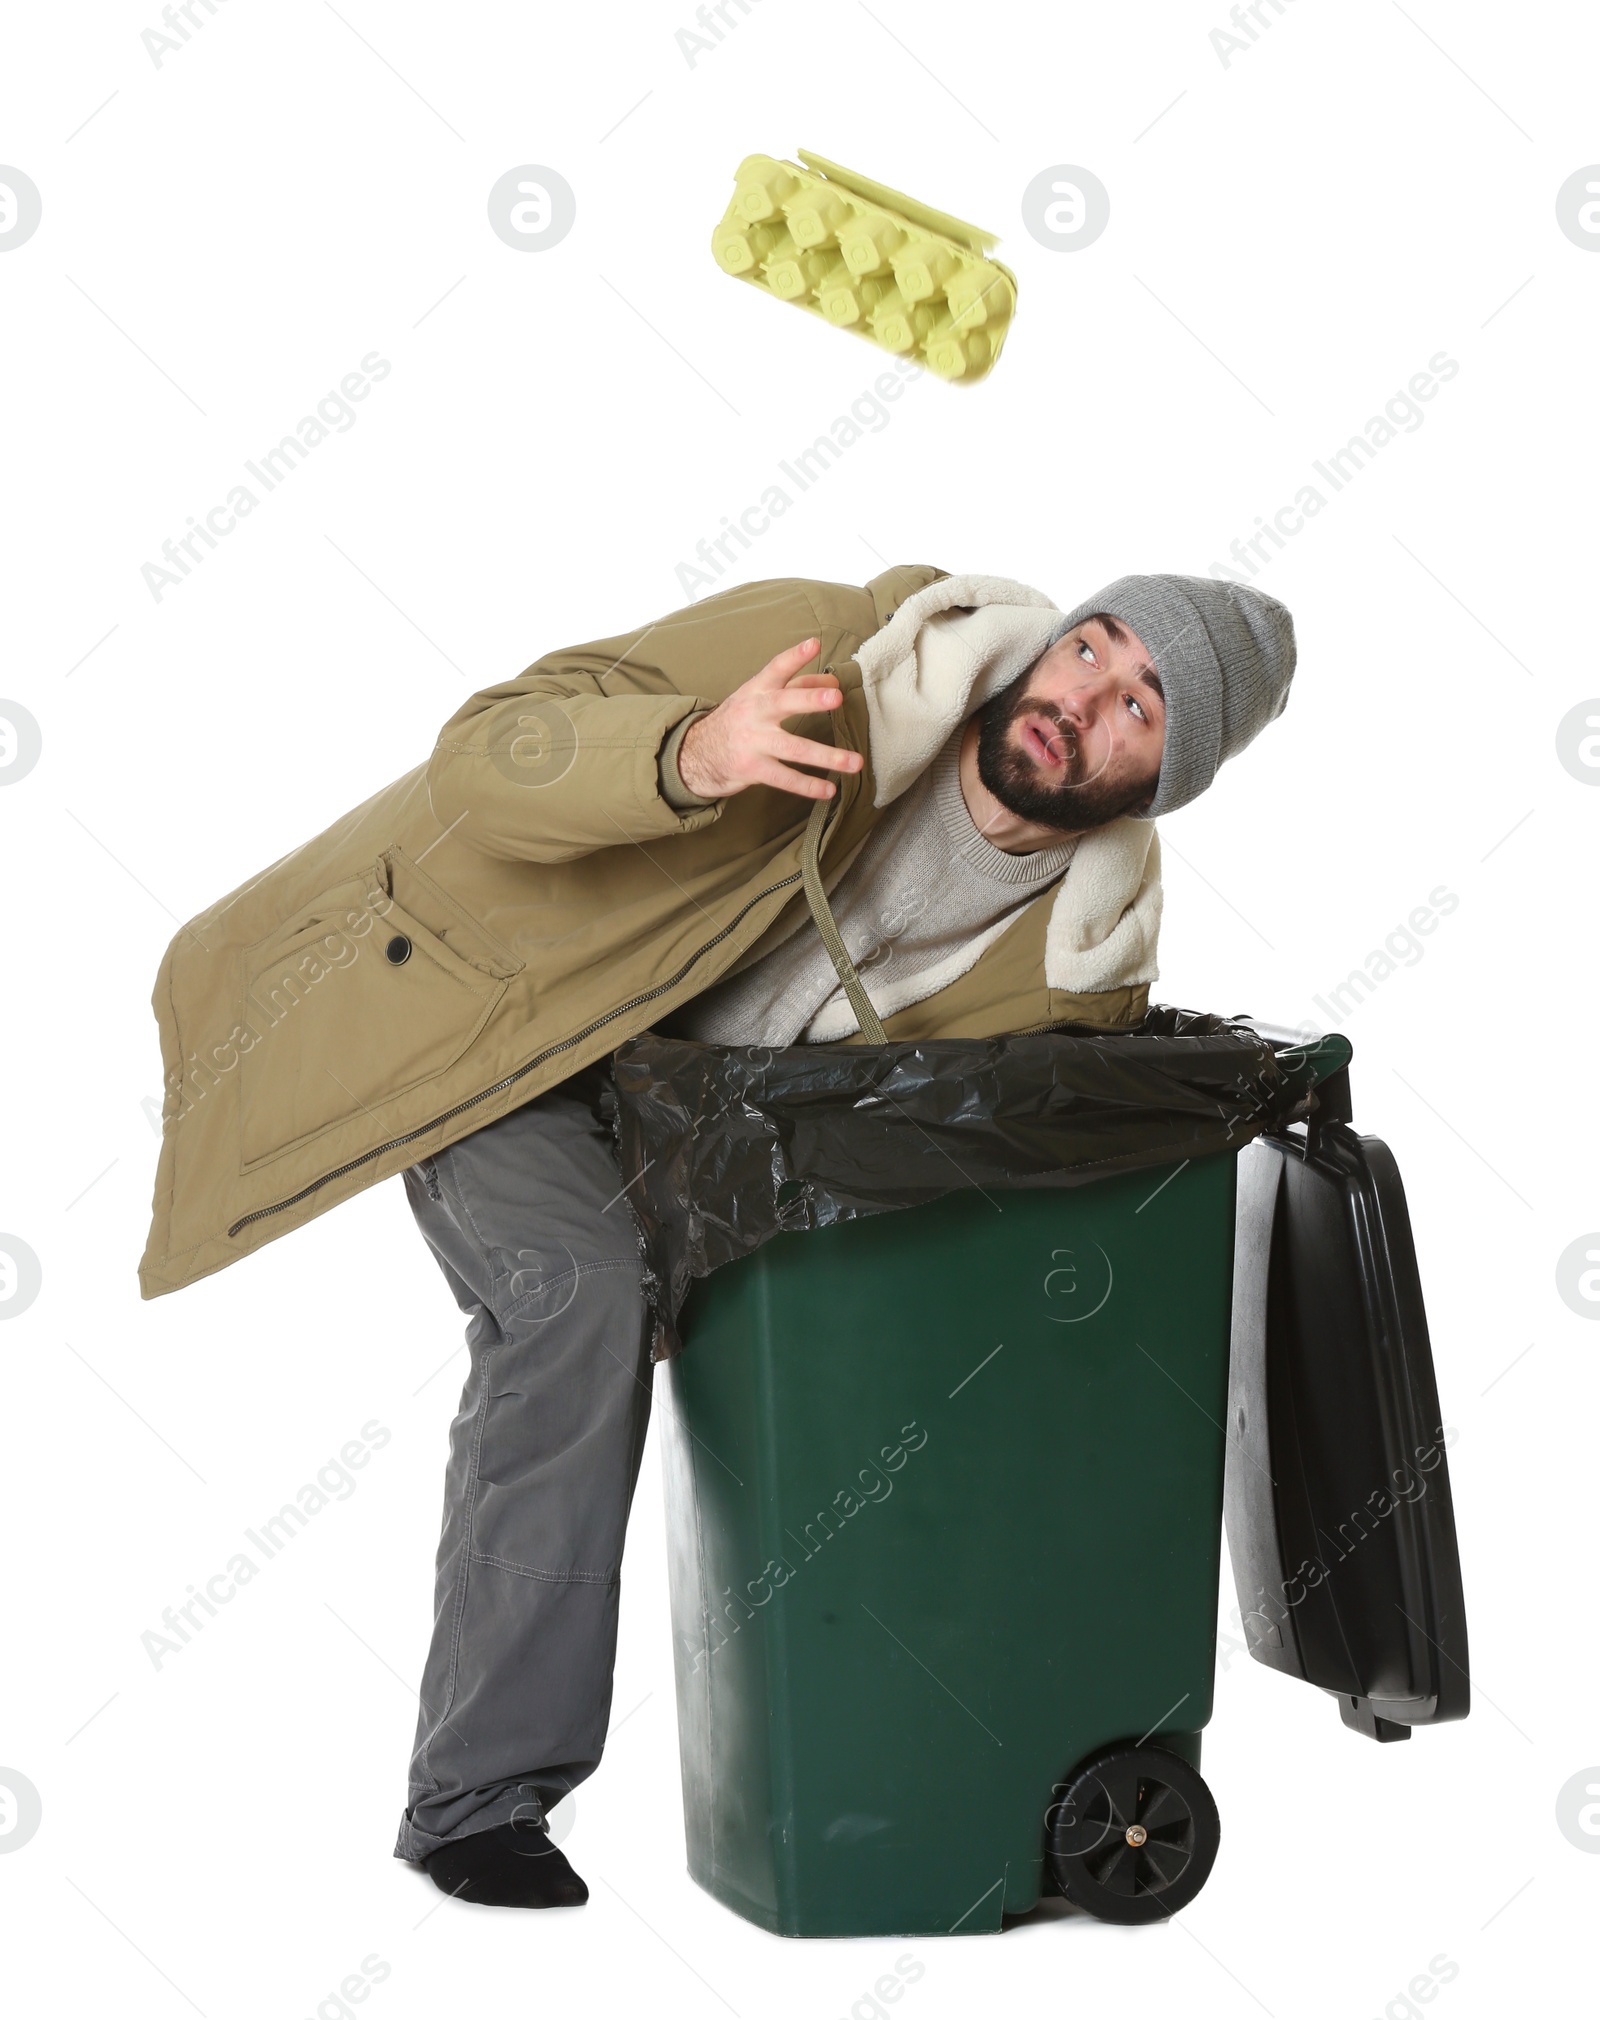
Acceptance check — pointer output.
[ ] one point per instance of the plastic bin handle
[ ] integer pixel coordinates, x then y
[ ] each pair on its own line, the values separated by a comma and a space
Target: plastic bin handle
1308, 1063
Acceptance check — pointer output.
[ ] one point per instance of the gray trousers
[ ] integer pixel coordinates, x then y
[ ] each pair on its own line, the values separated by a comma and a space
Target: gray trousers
526, 1219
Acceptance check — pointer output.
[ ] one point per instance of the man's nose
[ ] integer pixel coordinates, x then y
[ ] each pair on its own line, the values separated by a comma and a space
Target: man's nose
1087, 702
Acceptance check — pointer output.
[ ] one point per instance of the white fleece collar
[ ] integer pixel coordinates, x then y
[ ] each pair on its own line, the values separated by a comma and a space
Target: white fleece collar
945, 651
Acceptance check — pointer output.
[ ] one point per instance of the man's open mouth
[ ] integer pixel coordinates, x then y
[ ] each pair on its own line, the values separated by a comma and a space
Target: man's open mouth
1046, 743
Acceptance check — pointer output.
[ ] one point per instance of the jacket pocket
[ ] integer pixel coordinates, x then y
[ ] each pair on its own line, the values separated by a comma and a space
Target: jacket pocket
410, 885
356, 999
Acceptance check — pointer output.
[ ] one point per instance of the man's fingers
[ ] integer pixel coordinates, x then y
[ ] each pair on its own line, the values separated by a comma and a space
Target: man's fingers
801, 783
777, 670
794, 700
800, 750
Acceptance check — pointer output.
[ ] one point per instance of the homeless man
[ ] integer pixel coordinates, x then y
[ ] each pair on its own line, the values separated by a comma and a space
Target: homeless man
616, 840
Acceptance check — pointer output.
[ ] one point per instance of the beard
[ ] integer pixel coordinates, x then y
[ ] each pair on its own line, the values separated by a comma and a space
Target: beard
1069, 804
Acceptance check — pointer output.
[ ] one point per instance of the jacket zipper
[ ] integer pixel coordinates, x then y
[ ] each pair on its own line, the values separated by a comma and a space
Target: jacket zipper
499, 1087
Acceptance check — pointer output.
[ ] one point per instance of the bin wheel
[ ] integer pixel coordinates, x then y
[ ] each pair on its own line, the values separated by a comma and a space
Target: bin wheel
1133, 1834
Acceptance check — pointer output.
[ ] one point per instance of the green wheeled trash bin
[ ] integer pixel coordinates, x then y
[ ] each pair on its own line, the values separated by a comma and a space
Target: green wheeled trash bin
945, 1501
945, 1491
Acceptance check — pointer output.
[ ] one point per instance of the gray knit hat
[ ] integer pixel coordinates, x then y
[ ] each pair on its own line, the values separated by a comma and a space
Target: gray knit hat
1225, 654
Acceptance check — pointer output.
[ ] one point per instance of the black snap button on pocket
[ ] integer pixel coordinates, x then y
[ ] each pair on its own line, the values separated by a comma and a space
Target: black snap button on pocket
398, 949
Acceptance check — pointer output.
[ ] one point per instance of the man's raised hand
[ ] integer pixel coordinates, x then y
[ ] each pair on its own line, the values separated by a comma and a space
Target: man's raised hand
743, 742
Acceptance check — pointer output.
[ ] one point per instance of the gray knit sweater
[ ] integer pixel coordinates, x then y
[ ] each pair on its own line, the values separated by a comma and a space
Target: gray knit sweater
925, 884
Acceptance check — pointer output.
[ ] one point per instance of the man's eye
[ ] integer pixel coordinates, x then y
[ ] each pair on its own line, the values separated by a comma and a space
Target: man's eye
1086, 650
1138, 707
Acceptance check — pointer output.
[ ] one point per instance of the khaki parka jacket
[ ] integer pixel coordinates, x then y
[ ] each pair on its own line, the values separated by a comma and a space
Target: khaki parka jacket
508, 912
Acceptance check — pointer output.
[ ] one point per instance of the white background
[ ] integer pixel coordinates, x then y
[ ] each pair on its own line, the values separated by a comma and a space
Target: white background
1293, 234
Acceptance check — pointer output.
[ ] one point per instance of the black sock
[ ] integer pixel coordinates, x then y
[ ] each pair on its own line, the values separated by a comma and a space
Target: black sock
511, 1866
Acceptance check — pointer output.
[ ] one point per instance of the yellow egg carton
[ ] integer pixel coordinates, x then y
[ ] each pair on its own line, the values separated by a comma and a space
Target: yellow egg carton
910, 279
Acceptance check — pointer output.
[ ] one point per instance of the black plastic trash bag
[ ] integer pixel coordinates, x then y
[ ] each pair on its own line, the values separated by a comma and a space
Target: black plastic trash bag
722, 1147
